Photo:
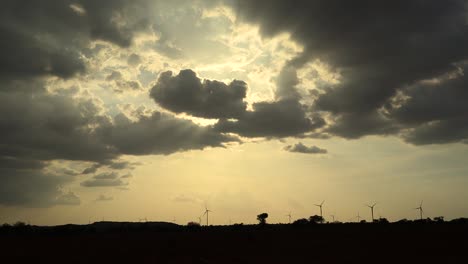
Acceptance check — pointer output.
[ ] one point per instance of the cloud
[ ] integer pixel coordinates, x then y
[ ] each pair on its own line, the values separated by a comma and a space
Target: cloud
356, 125
68, 199
70, 126
160, 133
114, 76
272, 119
104, 198
91, 169
134, 59
46, 38
33, 187
50, 126
105, 179
186, 93
301, 148
121, 84
377, 50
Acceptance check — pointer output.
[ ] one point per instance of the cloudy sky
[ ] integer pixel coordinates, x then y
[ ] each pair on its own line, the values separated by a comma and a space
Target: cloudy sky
123, 110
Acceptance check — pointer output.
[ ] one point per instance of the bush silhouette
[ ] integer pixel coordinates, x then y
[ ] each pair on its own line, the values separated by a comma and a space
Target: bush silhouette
193, 224
301, 221
315, 219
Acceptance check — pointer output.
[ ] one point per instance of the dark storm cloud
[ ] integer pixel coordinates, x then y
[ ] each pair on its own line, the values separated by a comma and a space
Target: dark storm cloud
42, 126
435, 112
379, 48
301, 148
160, 134
46, 37
32, 187
356, 125
284, 117
439, 132
272, 119
444, 98
186, 93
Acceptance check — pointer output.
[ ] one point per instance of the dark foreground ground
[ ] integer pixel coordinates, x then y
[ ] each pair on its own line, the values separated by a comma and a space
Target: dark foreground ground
167, 243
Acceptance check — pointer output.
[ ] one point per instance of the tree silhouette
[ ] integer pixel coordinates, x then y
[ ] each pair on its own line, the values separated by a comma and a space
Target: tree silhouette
262, 218
315, 219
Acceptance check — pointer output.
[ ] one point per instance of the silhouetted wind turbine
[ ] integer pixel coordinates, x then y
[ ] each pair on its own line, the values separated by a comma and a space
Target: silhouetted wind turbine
320, 205
358, 217
333, 218
420, 210
206, 213
372, 210
199, 220
289, 215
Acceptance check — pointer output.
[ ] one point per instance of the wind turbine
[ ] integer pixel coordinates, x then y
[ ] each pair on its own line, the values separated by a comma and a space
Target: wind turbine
333, 218
320, 205
289, 215
358, 217
199, 220
372, 210
420, 210
206, 213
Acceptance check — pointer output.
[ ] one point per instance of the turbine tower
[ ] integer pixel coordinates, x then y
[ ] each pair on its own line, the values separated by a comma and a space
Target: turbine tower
372, 210
333, 218
358, 217
289, 215
320, 205
206, 213
420, 210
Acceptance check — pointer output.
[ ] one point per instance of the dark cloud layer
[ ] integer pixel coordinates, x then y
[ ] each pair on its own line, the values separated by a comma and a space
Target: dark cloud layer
46, 37
159, 134
301, 148
34, 187
272, 119
379, 48
186, 93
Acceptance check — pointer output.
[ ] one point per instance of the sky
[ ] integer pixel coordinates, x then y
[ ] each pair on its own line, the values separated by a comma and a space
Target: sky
151, 109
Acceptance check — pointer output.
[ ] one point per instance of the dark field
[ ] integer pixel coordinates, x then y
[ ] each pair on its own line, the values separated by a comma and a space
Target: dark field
167, 243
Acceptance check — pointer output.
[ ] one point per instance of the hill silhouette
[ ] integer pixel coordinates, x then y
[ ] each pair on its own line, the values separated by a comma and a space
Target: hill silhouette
301, 242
